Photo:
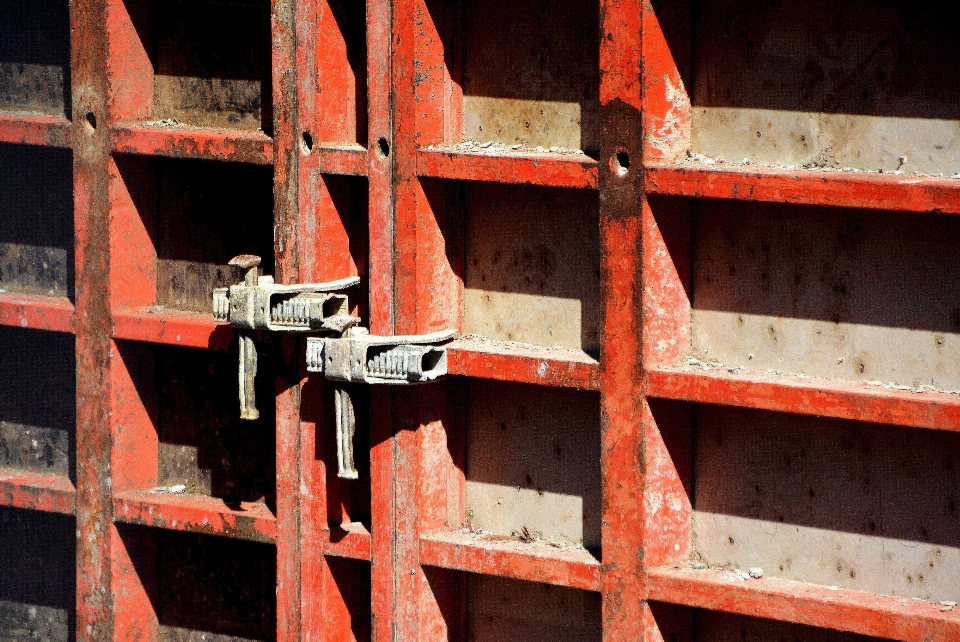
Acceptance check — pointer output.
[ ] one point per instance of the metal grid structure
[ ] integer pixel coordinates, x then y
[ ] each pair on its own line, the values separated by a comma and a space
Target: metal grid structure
166, 111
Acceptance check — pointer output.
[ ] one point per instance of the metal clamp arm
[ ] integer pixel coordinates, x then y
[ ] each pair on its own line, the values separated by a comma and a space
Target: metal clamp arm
360, 357
260, 304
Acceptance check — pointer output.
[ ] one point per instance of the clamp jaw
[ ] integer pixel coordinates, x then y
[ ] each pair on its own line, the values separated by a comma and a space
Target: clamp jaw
359, 357
348, 354
260, 304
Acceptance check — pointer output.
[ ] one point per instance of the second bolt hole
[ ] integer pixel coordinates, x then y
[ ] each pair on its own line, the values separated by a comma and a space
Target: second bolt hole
91, 121
621, 163
383, 148
306, 142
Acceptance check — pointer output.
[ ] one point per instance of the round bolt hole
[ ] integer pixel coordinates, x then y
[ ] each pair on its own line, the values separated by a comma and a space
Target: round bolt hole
91, 121
306, 143
383, 148
621, 163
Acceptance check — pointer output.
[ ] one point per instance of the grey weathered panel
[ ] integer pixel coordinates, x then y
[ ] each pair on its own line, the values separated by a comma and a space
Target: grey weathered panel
37, 576
36, 220
848, 83
530, 73
533, 462
203, 443
714, 626
37, 401
868, 296
837, 503
532, 265
506, 610
35, 57
212, 63
207, 214
215, 589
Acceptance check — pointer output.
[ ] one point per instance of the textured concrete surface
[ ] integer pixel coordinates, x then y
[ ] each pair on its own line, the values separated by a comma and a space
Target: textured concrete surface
530, 73
837, 503
37, 401
35, 57
533, 462
532, 265
850, 83
867, 296
37, 576
36, 220
500, 609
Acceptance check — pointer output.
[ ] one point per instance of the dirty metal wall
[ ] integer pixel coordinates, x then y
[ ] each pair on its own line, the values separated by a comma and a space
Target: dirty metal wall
37, 569
861, 506
847, 84
700, 255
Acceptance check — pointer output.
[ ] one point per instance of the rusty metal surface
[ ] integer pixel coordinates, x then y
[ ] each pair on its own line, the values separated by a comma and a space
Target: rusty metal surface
35, 57
624, 420
36, 220
90, 144
37, 588
298, 86
37, 408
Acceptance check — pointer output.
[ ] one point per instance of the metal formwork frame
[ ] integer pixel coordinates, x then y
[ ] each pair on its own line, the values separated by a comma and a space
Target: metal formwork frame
412, 122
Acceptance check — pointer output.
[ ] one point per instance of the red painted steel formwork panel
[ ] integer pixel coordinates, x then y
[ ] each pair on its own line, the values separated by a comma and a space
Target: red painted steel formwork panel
700, 256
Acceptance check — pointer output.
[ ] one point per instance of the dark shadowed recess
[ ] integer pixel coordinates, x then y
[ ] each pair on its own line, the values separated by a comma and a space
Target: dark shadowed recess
37, 401
35, 57
36, 220
37, 576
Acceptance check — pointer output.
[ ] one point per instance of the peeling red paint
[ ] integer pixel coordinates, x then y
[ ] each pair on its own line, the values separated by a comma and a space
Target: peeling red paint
172, 327
183, 142
548, 367
809, 396
889, 617
196, 514
376, 93
546, 169
35, 130
48, 493
575, 568
37, 312
809, 187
